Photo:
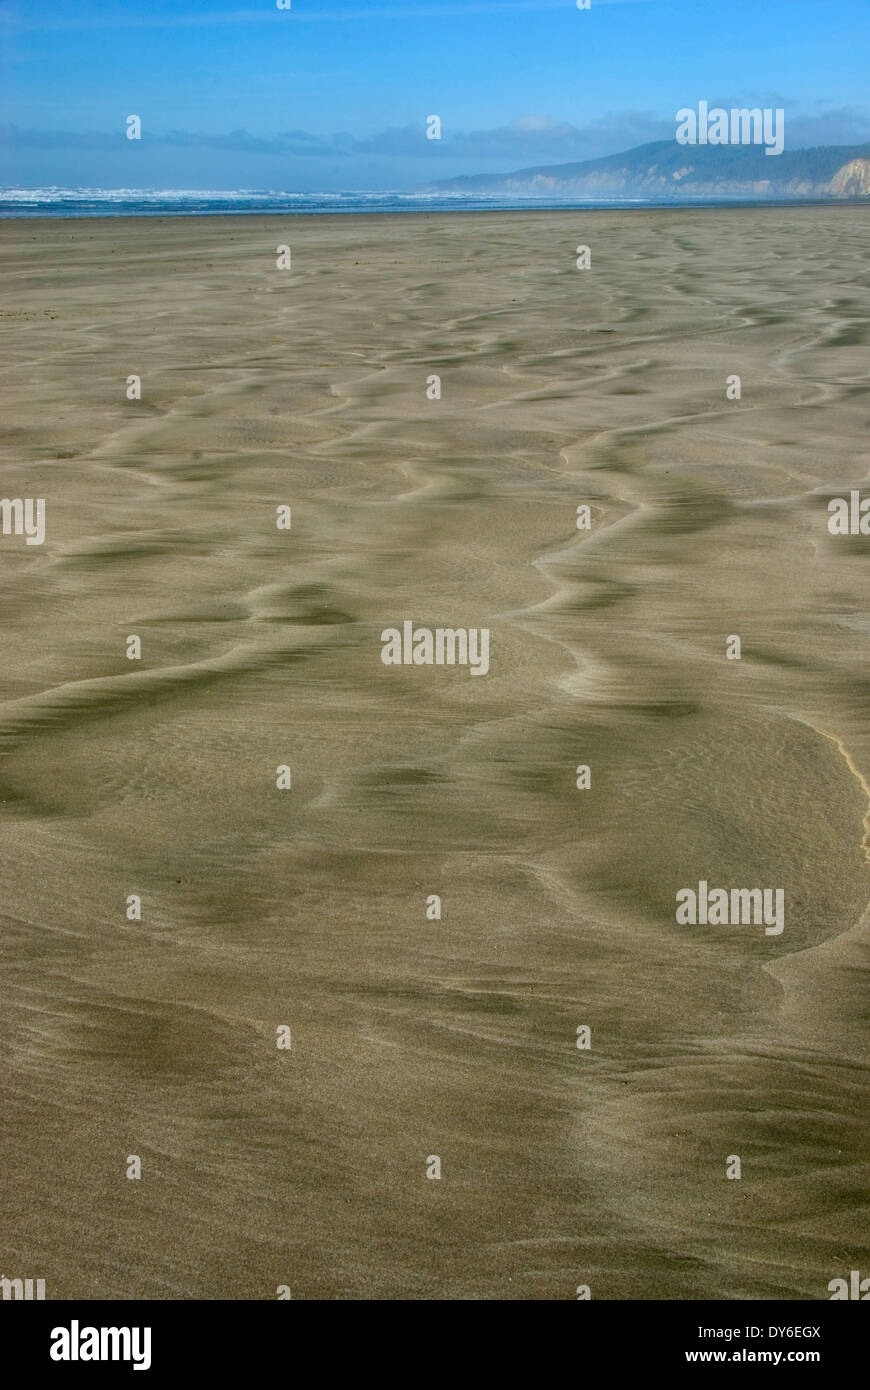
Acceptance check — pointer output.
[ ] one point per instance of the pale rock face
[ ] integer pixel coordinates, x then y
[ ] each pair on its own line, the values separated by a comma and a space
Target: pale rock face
853, 178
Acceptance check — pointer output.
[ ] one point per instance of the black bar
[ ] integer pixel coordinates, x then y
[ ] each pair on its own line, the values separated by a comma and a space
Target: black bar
224, 1338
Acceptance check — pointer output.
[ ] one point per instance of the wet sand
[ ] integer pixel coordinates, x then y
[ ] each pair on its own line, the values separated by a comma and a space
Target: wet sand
307, 907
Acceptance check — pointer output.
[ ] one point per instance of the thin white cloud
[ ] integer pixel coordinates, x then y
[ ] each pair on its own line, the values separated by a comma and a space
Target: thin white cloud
530, 139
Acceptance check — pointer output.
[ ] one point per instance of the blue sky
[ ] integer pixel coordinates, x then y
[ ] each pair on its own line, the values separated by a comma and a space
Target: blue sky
334, 94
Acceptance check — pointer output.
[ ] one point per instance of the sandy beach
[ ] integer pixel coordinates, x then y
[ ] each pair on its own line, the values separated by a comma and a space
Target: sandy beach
306, 907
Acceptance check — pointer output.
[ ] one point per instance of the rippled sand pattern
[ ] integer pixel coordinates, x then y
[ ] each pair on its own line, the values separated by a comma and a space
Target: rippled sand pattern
307, 907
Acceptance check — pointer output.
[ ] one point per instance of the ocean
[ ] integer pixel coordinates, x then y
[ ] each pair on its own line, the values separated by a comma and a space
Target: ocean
163, 202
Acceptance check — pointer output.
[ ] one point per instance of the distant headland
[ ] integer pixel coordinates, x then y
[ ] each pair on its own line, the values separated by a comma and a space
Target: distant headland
668, 170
